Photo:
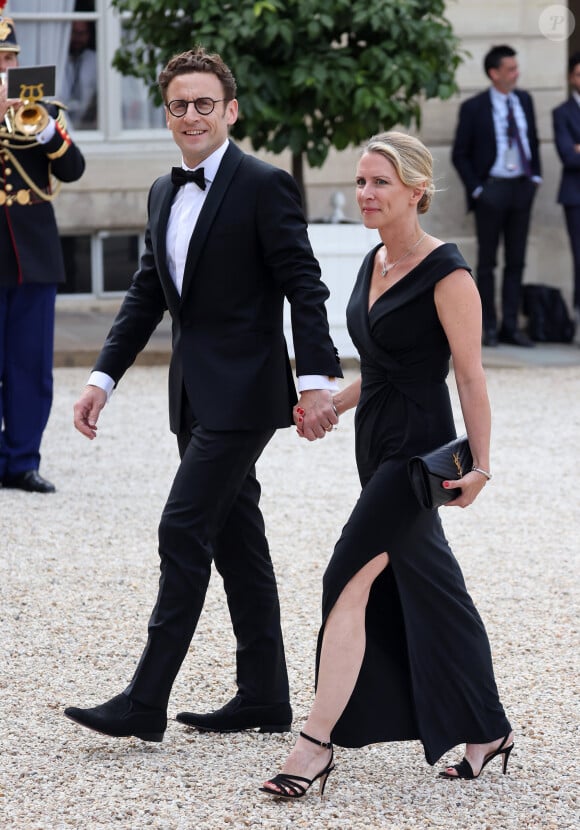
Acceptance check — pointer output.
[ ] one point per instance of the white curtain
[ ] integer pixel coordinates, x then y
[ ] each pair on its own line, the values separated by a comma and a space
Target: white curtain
138, 111
43, 43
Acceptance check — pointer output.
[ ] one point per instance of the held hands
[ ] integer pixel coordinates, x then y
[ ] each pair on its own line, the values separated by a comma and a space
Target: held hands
87, 410
315, 414
471, 485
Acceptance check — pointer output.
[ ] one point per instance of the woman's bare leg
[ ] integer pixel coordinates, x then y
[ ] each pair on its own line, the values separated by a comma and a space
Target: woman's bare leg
341, 656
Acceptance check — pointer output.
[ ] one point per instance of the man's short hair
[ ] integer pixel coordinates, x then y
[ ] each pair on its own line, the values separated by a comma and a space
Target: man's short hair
573, 62
495, 56
198, 60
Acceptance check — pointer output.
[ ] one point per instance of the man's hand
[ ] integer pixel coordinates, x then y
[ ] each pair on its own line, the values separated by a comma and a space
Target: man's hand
87, 410
315, 414
6, 103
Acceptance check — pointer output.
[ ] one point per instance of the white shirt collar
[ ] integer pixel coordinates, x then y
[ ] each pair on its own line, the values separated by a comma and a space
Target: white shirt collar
211, 163
576, 96
497, 96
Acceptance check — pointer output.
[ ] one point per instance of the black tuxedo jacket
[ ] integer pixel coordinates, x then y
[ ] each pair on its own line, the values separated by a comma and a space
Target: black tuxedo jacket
249, 250
474, 146
566, 120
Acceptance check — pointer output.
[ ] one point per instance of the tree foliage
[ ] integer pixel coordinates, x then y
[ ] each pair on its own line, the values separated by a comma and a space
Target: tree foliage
312, 74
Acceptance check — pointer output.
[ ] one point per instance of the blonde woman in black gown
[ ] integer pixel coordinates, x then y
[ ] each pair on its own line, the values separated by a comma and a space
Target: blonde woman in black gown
402, 652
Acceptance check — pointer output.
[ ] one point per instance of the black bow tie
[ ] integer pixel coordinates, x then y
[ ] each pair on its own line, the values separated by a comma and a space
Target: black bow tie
179, 177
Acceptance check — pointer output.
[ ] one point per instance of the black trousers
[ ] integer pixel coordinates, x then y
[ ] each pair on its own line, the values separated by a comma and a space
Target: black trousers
502, 210
573, 224
212, 514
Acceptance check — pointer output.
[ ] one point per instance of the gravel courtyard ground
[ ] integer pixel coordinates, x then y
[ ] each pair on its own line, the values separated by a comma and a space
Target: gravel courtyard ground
79, 575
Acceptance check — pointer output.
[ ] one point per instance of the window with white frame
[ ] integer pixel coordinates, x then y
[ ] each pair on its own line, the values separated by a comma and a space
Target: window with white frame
79, 38
101, 264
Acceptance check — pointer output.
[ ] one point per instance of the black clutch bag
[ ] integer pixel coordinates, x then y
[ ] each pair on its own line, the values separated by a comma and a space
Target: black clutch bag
428, 471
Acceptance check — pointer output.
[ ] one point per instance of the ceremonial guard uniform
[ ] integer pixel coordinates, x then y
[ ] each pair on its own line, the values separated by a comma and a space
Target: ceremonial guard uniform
31, 266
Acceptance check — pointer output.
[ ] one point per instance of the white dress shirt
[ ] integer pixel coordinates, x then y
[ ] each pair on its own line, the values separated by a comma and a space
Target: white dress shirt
185, 211
499, 103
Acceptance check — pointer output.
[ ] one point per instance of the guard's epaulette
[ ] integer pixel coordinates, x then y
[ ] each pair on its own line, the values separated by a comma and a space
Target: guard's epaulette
61, 130
61, 119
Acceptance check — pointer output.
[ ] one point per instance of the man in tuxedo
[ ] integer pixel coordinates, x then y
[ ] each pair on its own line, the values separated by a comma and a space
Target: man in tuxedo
226, 241
566, 120
496, 153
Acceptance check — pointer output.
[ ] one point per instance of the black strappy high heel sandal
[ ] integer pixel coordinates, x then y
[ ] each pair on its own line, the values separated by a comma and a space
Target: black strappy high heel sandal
296, 786
465, 770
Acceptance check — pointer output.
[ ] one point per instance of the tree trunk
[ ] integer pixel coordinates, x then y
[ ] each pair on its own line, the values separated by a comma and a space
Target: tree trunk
298, 173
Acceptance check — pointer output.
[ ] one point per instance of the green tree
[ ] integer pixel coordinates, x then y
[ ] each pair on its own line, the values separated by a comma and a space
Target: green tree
312, 74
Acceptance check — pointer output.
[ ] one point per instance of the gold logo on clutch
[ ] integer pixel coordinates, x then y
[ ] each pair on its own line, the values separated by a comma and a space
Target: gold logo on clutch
457, 463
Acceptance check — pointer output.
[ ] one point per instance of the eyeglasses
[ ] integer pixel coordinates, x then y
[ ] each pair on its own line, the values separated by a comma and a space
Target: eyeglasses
205, 106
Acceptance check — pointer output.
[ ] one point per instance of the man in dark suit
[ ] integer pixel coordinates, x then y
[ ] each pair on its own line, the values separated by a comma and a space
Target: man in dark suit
221, 252
496, 153
566, 119
31, 266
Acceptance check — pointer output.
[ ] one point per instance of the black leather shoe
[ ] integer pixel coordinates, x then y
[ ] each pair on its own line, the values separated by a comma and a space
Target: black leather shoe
237, 715
489, 337
31, 481
516, 338
122, 717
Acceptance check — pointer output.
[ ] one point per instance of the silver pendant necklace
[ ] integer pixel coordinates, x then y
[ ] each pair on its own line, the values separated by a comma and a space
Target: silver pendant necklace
386, 268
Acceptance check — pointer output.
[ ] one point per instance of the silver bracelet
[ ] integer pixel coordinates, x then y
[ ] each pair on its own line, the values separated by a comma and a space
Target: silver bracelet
482, 472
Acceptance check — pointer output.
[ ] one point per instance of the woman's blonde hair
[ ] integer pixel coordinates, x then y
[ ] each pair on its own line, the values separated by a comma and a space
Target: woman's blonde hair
410, 158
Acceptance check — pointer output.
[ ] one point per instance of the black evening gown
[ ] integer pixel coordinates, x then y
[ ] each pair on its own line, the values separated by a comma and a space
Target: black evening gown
427, 672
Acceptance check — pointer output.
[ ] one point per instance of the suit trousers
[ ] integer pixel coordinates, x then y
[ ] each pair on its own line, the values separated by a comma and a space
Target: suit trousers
26, 358
502, 210
212, 514
572, 213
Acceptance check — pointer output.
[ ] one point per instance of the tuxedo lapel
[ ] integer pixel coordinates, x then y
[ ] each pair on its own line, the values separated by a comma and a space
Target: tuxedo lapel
161, 200
217, 191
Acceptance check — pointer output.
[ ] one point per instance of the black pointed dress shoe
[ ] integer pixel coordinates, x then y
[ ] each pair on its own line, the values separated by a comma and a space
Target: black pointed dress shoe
516, 338
238, 715
122, 717
31, 481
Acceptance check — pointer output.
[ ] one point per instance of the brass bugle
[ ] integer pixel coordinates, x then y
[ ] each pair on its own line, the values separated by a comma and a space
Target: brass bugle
30, 118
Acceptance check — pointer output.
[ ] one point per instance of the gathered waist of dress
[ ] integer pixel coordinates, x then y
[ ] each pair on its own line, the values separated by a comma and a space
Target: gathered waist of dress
424, 390
402, 376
